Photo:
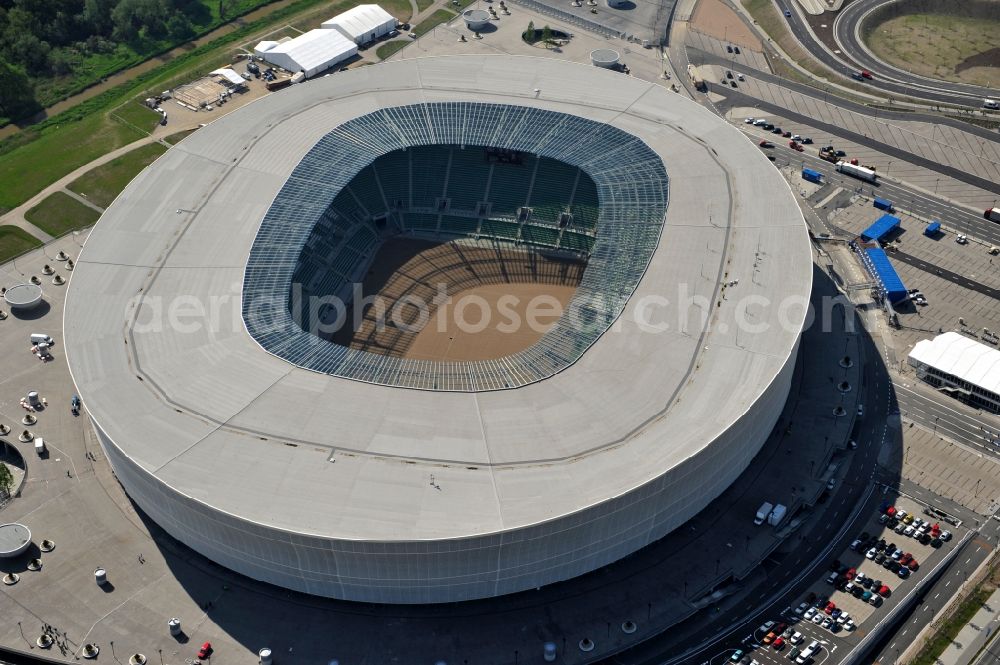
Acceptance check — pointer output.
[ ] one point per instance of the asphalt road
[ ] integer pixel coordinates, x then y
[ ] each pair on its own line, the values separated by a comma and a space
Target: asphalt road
953, 277
736, 98
787, 580
699, 57
941, 417
926, 206
906, 85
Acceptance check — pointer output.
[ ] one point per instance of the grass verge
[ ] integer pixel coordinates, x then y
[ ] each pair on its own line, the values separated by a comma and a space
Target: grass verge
174, 139
387, 49
15, 241
138, 115
102, 184
59, 213
434, 20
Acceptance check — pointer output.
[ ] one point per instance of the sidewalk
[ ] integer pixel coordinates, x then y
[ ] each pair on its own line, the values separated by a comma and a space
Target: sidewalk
974, 635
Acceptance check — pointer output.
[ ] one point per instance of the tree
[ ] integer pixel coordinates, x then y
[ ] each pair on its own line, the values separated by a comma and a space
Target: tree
546, 35
6, 480
17, 96
179, 27
530, 32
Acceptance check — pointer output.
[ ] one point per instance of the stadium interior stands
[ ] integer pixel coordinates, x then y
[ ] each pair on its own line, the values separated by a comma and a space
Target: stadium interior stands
444, 192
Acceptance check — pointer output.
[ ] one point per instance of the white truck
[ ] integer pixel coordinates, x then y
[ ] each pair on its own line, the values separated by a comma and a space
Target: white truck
993, 214
763, 512
778, 514
859, 172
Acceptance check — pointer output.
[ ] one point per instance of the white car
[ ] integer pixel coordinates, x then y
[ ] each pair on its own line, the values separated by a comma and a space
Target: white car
766, 626
818, 618
871, 554
797, 638
849, 625
861, 410
801, 608
760, 122
797, 137
908, 531
741, 77
748, 121
853, 445
945, 536
810, 613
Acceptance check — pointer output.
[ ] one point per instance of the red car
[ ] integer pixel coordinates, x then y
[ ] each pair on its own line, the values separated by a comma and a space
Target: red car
913, 565
830, 607
884, 591
905, 559
205, 651
849, 575
779, 644
766, 144
867, 74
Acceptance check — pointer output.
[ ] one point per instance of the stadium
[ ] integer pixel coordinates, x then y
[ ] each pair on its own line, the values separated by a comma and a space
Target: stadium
393, 461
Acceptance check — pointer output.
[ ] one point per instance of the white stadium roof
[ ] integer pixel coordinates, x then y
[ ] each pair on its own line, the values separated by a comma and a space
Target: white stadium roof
520, 487
360, 20
964, 358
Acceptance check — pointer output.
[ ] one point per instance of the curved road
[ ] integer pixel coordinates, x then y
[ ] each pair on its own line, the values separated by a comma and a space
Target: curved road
902, 84
846, 32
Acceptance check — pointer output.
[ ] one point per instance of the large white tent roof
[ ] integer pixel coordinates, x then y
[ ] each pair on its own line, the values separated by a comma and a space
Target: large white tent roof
315, 48
360, 20
967, 359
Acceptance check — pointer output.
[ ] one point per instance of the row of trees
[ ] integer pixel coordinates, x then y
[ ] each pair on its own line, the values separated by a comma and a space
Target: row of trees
47, 36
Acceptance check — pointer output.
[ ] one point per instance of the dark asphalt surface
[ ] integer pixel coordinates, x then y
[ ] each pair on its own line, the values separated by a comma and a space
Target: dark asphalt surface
923, 205
737, 98
698, 57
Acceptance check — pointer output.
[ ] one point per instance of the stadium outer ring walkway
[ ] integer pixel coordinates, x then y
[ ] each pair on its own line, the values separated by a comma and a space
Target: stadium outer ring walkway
365, 492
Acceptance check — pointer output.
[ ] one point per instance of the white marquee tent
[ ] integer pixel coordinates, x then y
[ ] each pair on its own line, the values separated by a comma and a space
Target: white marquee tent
363, 23
309, 53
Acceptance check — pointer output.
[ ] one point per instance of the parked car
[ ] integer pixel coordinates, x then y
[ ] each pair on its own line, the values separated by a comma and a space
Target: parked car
736, 50
883, 590
735, 658
729, 48
945, 536
903, 572
801, 608
913, 565
808, 141
779, 644
796, 638
729, 74
769, 638
870, 554
205, 651
809, 613
876, 601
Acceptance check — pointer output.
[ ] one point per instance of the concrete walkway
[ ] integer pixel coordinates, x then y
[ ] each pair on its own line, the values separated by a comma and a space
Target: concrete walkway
974, 635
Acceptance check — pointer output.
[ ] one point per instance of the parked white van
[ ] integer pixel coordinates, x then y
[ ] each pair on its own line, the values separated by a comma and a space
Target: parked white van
41, 338
39, 447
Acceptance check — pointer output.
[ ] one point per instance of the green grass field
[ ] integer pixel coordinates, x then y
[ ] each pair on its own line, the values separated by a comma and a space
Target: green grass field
30, 168
434, 20
174, 139
424, 4
936, 45
102, 184
138, 115
14, 241
387, 49
59, 213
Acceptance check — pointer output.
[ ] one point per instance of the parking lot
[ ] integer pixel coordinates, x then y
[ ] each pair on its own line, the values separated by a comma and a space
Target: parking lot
881, 565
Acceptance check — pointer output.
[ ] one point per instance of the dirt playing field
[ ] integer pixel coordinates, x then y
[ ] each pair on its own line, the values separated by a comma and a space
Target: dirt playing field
459, 301
714, 18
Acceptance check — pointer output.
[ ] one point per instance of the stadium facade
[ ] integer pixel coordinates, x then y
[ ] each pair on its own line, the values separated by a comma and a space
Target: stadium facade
346, 474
